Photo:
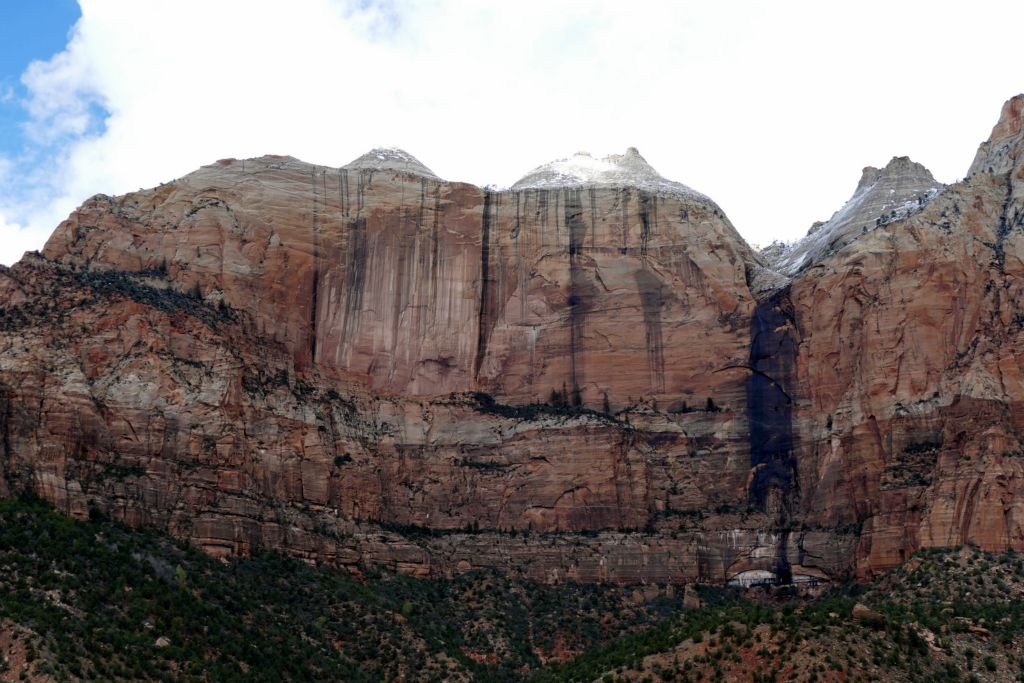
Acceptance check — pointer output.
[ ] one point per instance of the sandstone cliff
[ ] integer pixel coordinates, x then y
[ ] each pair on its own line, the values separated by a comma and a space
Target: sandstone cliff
381, 273
910, 374
357, 365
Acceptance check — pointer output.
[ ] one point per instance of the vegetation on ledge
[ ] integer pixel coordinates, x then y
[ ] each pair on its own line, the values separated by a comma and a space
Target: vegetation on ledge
96, 600
485, 403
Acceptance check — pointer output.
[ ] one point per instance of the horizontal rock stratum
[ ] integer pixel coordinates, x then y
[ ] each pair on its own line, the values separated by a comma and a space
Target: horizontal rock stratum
588, 376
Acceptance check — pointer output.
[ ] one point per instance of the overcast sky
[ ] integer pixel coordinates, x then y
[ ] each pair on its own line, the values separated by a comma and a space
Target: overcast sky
770, 108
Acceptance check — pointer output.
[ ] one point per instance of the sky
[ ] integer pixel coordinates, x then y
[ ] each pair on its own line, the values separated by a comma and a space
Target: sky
770, 108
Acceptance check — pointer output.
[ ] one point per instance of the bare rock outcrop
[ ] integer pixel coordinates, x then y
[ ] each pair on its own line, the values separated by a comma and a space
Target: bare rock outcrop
1001, 153
390, 159
388, 276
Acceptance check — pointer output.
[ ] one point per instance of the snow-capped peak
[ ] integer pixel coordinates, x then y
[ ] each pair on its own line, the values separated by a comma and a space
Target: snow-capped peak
390, 159
617, 170
882, 196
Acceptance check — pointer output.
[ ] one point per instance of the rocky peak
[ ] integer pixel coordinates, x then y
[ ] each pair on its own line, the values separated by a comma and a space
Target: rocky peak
615, 170
883, 195
1004, 146
900, 168
775, 251
390, 159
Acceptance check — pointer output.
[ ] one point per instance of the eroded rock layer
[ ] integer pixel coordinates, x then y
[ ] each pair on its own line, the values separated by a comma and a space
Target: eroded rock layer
372, 365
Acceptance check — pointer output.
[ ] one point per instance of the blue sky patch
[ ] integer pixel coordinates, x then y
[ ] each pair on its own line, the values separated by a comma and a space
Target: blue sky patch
29, 31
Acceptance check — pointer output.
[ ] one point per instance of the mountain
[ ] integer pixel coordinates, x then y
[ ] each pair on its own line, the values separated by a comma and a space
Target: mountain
616, 170
390, 159
580, 377
882, 196
910, 340
1001, 153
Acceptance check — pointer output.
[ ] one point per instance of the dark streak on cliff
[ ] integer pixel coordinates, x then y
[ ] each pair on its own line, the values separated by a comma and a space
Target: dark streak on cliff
593, 217
315, 284
355, 275
404, 250
516, 226
769, 406
773, 350
542, 216
652, 300
1007, 223
624, 206
580, 292
343, 191
486, 318
648, 209
435, 246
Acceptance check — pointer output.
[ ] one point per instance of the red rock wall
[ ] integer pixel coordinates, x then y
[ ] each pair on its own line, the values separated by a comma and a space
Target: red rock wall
417, 287
271, 354
910, 374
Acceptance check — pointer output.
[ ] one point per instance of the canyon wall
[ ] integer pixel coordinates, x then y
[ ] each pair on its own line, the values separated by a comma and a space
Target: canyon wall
416, 287
583, 377
910, 365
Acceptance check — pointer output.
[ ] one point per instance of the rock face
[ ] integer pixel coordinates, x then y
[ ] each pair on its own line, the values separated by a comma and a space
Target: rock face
571, 379
616, 170
382, 274
1001, 152
910, 364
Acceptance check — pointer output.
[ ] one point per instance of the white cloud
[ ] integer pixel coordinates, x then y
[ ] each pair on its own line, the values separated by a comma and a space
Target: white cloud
770, 108
17, 239
63, 90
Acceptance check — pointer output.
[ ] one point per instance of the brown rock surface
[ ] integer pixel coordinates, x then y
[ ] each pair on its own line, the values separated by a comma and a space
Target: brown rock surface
909, 365
347, 364
418, 287
271, 353
862, 612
